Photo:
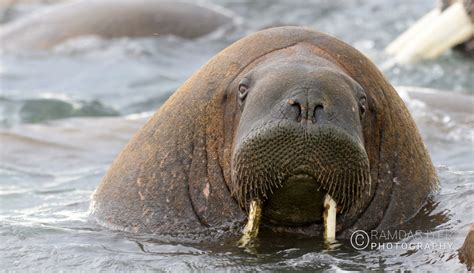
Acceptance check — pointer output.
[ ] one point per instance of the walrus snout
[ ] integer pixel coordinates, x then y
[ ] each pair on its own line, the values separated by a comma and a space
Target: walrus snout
305, 109
284, 154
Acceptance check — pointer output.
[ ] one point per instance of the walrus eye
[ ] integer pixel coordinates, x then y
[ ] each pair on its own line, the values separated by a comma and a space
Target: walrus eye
243, 90
362, 105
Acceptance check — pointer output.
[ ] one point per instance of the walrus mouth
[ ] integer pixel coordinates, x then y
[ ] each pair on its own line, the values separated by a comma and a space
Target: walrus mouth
310, 170
299, 201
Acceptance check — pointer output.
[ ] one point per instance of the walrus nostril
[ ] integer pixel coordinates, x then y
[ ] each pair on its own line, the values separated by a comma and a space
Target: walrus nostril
318, 114
299, 109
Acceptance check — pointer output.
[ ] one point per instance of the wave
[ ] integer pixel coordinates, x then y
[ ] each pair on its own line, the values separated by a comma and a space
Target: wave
35, 110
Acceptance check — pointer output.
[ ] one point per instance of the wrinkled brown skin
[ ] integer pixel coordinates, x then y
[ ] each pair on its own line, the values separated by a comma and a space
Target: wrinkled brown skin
174, 174
466, 252
109, 19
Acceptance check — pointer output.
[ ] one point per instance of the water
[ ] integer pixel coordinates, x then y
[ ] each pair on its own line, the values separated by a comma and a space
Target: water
66, 114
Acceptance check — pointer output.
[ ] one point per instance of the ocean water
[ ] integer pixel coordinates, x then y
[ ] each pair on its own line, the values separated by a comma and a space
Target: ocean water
66, 113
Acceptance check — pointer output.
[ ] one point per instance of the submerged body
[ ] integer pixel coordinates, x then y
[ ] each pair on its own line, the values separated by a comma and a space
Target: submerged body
109, 19
191, 167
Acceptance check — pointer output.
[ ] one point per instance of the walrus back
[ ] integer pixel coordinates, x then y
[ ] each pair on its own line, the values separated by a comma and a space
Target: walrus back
109, 19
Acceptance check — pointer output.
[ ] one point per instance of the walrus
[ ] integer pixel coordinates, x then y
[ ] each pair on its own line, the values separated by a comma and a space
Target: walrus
109, 19
466, 252
288, 125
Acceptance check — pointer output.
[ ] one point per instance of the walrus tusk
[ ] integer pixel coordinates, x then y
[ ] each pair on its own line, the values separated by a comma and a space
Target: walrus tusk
410, 34
433, 34
329, 218
253, 223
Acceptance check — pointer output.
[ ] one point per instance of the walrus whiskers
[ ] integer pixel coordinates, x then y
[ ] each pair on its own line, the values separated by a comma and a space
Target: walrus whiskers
250, 182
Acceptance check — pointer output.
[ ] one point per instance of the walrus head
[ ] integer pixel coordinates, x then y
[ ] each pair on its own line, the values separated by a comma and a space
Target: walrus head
299, 139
